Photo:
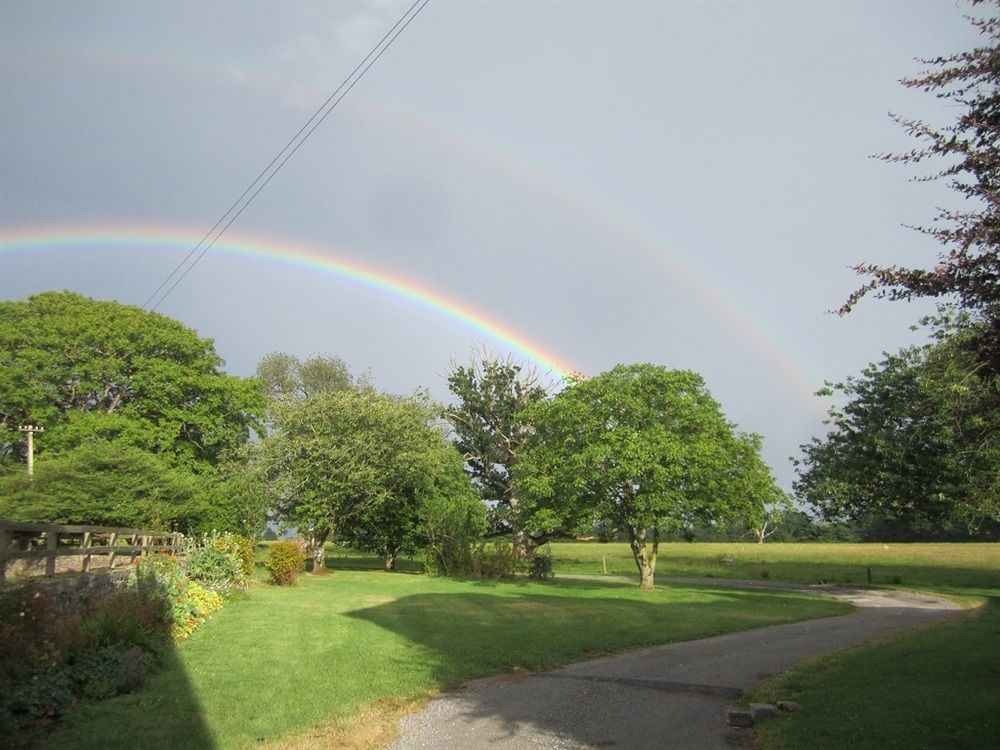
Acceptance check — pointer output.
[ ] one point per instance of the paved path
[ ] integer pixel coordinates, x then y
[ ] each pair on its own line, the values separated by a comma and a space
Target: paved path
672, 696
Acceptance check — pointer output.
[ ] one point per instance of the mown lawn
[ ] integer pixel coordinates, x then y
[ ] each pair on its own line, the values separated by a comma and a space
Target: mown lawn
361, 644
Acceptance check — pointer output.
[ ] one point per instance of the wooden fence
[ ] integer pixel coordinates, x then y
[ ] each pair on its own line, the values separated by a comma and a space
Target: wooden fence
79, 548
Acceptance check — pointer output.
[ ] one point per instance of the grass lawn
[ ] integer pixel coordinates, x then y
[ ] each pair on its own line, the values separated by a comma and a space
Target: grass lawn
955, 565
362, 644
935, 688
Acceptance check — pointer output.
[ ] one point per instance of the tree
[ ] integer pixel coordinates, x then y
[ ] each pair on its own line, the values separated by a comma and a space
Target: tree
968, 270
354, 463
286, 376
768, 517
917, 441
489, 427
106, 484
435, 508
645, 448
238, 497
452, 518
90, 370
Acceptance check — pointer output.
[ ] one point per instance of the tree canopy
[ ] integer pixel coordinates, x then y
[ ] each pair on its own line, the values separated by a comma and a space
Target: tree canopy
358, 464
917, 441
645, 448
286, 376
91, 370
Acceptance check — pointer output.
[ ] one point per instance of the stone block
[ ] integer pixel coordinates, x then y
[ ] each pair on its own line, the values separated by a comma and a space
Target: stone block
761, 711
739, 717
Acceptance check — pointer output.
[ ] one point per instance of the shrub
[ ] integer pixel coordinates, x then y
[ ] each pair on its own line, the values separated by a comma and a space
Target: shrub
286, 560
109, 671
136, 616
245, 551
190, 602
50, 658
219, 561
540, 567
131, 671
162, 573
198, 603
34, 643
495, 559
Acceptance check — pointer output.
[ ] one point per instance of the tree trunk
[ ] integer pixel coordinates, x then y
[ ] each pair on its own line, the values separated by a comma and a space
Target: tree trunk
389, 564
317, 549
524, 545
645, 560
764, 531
519, 538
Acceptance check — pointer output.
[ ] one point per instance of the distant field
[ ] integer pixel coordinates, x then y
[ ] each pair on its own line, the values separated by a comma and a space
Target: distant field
938, 565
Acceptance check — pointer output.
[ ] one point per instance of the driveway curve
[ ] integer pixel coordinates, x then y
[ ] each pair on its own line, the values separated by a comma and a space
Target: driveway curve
671, 696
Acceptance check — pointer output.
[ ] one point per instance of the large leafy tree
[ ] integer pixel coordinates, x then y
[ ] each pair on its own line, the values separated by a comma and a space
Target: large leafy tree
355, 463
489, 425
968, 268
644, 448
91, 370
916, 442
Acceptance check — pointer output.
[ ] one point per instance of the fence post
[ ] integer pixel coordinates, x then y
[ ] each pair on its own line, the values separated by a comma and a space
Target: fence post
112, 542
86, 546
4, 548
51, 542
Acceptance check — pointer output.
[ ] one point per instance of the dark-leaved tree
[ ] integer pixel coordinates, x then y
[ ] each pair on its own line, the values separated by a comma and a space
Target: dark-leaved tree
967, 271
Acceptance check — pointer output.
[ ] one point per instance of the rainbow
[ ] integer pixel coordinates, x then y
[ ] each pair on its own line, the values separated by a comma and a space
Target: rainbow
728, 305
299, 255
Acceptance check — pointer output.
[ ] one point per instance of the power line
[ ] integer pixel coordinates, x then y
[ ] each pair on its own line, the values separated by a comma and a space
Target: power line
281, 158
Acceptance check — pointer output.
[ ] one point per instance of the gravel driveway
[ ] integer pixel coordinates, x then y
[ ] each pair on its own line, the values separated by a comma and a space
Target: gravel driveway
672, 696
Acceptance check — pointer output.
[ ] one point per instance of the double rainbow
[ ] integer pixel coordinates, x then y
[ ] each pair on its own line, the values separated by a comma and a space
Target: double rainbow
307, 257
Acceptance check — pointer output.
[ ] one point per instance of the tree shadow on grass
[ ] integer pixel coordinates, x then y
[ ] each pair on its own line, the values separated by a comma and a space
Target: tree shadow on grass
478, 634
339, 561
473, 635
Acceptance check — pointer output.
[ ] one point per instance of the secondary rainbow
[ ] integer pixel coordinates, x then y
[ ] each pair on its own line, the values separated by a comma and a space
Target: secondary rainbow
305, 256
729, 305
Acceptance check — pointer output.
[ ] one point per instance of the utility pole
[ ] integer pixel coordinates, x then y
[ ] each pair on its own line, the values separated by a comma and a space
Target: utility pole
30, 430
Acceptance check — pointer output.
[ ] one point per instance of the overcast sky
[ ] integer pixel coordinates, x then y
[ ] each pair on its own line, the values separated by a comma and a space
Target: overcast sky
678, 183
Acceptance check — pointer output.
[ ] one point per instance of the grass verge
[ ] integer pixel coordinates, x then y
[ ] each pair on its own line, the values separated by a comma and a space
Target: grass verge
363, 644
935, 688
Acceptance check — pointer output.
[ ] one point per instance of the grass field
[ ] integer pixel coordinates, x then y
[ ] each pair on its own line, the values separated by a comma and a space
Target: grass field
361, 644
943, 565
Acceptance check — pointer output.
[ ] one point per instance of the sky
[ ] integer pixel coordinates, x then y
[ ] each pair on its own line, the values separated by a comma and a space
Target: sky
577, 185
